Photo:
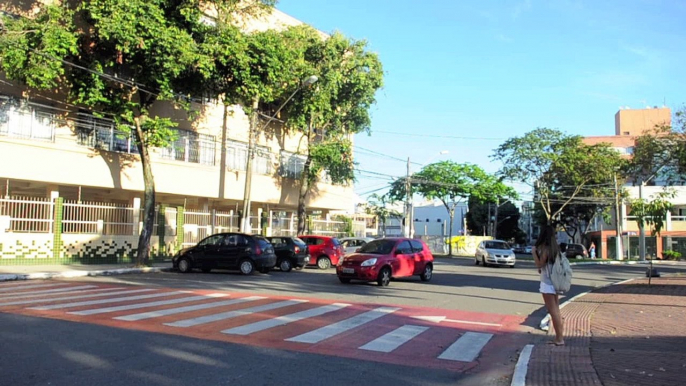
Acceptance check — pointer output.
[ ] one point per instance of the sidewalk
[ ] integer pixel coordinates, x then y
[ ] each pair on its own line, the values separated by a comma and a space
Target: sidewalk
625, 334
29, 272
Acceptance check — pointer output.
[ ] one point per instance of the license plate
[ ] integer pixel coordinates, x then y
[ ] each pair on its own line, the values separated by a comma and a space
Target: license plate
348, 270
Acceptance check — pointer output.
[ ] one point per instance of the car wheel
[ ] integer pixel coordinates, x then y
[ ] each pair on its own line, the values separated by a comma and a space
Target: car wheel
323, 262
285, 265
384, 278
344, 280
512, 266
483, 260
247, 266
207, 270
428, 273
185, 265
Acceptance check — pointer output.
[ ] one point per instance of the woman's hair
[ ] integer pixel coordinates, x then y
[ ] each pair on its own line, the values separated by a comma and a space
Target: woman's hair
548, 240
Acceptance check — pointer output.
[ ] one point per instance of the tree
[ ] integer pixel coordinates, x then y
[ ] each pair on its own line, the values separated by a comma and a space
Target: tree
118, 58
335, 109
451, 183
562, 170
378, 206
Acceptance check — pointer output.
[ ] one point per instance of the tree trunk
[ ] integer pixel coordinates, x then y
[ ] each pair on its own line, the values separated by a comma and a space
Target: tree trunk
302, 196
450, 233
143, 252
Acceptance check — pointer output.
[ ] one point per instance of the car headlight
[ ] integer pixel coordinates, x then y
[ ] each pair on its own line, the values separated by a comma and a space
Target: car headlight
368, 263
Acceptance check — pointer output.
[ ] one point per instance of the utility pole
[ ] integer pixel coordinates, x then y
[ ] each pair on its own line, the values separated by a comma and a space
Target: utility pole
641, 230
490, 232
495, 222
408, 202
245, 224
618, 224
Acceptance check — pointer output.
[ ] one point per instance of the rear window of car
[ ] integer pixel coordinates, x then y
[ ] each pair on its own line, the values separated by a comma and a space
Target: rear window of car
314, 241
262, 242
298, 241
335, 241
380, 247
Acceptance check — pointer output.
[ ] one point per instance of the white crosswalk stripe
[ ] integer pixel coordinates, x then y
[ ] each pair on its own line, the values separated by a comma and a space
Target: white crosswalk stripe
33, 294
282, 320
105, 301
394, 339
467, 347
234, 314
180, 310
329, 331
144, 305
6, 288
34, 301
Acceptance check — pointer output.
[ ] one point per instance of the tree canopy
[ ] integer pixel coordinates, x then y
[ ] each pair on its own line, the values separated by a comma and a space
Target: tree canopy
562, 170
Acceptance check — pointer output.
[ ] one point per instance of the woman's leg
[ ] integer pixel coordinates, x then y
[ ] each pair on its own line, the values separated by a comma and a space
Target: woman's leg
552, 304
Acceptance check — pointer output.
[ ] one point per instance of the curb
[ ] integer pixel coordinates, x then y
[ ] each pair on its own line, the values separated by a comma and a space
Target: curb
544, 325
69, 274
522, 366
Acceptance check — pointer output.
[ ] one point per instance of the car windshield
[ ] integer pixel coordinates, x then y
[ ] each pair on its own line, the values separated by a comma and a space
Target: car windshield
380, 247
497, 245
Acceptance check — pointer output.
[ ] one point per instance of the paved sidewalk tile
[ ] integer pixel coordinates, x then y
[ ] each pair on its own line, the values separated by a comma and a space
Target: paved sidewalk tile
627, 334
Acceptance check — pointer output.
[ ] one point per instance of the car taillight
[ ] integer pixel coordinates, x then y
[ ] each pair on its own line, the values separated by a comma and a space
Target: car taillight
258, 250
297, 249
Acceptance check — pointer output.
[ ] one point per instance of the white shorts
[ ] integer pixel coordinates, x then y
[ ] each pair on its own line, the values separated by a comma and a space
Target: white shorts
547, 289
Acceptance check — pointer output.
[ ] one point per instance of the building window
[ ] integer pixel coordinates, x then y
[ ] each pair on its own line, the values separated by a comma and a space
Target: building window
19, 120
237, 158
101, 133
292, 164
236, 155
190, 146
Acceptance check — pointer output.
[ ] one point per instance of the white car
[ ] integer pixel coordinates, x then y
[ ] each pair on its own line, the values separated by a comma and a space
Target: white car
351, 244
494, 252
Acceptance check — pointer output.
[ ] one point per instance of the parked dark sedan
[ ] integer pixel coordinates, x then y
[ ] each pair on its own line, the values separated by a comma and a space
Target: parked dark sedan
227, 251
290, 252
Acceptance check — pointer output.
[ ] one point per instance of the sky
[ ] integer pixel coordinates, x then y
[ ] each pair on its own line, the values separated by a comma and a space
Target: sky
464, 76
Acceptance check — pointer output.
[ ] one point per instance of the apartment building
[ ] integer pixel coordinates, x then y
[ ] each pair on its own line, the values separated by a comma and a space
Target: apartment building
629, 124
50, 149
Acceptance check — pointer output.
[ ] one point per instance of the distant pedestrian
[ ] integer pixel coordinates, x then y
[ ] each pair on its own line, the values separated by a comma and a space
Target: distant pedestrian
545, 252
591, 250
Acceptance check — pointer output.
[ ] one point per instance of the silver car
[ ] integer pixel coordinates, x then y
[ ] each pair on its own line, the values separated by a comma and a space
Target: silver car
494, 252
351, 244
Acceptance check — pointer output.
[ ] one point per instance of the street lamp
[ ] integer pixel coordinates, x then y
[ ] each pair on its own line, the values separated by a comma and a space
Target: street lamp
245, 224
409, 211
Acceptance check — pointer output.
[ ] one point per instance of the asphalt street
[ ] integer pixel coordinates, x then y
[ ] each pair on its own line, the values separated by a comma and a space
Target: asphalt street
45, 350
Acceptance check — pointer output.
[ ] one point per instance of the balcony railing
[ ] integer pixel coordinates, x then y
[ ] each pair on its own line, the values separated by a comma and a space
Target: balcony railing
26, 123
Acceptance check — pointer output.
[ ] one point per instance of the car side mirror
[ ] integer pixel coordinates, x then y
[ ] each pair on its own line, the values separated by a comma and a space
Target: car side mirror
398, 252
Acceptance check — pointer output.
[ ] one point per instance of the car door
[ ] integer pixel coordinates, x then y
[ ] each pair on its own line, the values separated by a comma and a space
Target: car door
207, 252
404, 259
419, 256
282, 248
227, 255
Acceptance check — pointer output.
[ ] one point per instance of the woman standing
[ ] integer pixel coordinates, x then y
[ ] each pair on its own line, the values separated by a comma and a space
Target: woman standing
545, 252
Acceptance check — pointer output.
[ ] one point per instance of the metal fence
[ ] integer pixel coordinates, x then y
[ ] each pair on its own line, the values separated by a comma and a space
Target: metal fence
100, 218
26, 123
26, 214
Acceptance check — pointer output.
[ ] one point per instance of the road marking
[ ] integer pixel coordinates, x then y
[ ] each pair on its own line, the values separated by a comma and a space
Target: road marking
73, 297
519, 377
282, 320
467, 347
33, 294
394, 339
439, 319
180, 310
143, 305
329, 331
104, 301
233, 314
5, 288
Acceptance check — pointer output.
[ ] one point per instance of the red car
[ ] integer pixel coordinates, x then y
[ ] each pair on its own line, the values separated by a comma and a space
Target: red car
382, 259
324, 250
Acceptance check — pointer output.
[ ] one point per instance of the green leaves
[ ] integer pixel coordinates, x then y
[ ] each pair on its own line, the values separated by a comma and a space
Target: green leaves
653, 212
334, 157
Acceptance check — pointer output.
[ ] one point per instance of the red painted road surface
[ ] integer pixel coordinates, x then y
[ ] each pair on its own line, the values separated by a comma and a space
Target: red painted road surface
411, 336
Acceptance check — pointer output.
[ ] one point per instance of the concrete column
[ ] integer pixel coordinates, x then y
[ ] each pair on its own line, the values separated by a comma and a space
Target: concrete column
136, 203
259, 220
668, 221
52, 191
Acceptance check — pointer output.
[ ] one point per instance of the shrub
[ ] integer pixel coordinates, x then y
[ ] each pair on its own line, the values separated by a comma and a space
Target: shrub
671, 255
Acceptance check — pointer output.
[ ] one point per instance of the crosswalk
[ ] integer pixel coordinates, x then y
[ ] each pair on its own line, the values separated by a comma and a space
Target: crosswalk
289, 323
